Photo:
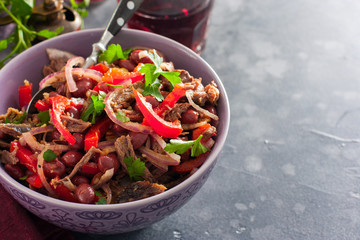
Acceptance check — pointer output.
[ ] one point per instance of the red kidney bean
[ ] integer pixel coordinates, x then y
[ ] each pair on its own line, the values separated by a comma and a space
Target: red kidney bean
77, 180
85, 193
53, 94
71, 158
128, 64
54, 169
61, 90
83, 86
135, 57
118, 130
190, 116
152, 100
55, 135
14, 170
73, 112
109, 161
212, 109
138, 139
89, 169
79, 137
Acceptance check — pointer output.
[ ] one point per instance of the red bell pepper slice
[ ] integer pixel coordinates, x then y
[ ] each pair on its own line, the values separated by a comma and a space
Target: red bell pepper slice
95, 133
34, 180
26, 157
200, 130
172, 98
65, 193
100, 68
42, 105
90, 168
116, 76
160, 126
188, 166
59, 105
25, 94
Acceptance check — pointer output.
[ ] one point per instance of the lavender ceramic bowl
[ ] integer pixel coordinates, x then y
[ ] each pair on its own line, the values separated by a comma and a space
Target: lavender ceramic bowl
116, 218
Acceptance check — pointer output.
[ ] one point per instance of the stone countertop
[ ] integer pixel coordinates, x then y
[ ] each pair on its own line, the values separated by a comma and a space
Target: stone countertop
290, 168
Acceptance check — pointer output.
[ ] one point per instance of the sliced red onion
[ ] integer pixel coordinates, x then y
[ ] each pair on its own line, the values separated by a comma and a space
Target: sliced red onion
189, 95
40, 172
59, 148
90, 73
192, 126
108, 192
104, 178
161, 161
162, 144
131, 126
44, 129
68, 72
60, 76
31, 142
51, 78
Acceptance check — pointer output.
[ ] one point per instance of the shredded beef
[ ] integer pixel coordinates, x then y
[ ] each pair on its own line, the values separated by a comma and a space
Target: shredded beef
11, 115
176, 111
212, 92
58, 59
9, 157
140, 190
75, 125
14, 130
185, 76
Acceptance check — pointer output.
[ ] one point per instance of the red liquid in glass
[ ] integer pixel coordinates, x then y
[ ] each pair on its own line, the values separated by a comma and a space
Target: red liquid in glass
182, 20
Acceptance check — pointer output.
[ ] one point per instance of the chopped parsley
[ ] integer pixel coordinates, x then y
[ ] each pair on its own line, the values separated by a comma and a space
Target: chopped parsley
180, 146
23, 177
153, 72
49, 155
136, 168
95, 108
19, 121
122, 117
101, 201
44, 118
114, 52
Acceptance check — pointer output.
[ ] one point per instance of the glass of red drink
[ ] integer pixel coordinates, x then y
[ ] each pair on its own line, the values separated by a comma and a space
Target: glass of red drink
185, 21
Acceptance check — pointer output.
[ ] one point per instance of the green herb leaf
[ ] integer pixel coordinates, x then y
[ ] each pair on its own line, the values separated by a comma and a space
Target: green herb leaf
198, 148
113, 52
153, 90
44, 118
3, 44
122, 117
21, 119
152, 73
173, 77
49, 155
111, 85
136, 168
101, 201
180, 146
97, 193
49, 34
22, 8
23, 177
95, 108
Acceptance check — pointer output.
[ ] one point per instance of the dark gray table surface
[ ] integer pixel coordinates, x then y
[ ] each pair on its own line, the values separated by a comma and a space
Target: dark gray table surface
291, 165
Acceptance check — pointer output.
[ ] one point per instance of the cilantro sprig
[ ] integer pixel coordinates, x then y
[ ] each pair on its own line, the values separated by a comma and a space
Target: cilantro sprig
49, 155
122, 117
44, 118
180, 146
153, 72
114, 52
95, 108
24, 34
136, 168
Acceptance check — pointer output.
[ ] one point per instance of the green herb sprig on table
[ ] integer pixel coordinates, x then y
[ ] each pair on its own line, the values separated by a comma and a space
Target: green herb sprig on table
23, 35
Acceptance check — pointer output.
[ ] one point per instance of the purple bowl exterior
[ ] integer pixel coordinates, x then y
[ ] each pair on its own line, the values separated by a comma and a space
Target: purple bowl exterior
115, 218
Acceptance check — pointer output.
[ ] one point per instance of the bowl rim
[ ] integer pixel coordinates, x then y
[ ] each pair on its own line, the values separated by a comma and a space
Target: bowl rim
216, 151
